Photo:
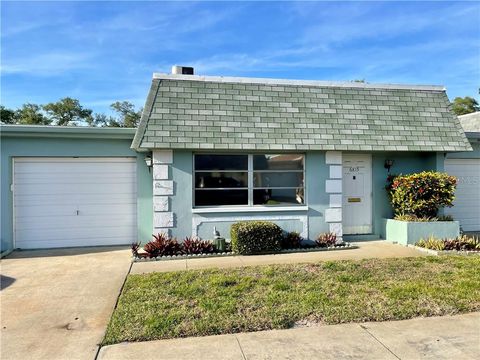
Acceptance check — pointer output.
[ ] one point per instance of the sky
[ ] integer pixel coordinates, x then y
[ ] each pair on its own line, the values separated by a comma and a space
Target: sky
101, 52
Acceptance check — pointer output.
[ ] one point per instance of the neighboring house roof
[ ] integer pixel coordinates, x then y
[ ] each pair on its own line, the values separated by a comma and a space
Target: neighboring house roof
470, 122
195, 112
66, 131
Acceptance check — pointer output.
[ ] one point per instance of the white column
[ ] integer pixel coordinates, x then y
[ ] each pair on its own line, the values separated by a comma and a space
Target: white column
163, 189
333, 186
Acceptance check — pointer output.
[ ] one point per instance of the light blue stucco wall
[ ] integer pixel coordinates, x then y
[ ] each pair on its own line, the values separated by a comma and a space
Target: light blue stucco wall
18, 146
316, 172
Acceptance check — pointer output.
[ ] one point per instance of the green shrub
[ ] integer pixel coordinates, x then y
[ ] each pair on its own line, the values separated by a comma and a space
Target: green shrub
251, 237
431, 243
413, 218
421, 194
292, 240
460, 243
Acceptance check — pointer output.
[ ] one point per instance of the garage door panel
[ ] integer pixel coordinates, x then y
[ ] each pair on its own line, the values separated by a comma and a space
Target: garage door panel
59, 199
104, 241
67, 210
466, 207
93, 233
74, 188
49, 191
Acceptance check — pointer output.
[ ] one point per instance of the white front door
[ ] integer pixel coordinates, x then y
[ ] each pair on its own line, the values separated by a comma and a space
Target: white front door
357, 194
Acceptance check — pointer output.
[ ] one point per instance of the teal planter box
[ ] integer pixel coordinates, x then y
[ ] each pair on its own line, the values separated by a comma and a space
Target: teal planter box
405, 232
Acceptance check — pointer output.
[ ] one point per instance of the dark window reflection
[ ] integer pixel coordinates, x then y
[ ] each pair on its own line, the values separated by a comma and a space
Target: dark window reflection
221, 162
221, 179
221, 197
278, 197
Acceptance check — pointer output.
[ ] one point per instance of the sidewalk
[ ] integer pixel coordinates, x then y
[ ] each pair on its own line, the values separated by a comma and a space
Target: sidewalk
448, 337
365, 250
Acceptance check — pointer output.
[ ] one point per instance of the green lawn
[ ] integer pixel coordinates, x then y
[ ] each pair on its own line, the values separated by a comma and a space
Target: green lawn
207, 302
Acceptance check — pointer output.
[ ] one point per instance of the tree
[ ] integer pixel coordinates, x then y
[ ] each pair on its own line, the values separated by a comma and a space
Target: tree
7, 116
128, 117
31, 114
466, 105
68, 111
103, 121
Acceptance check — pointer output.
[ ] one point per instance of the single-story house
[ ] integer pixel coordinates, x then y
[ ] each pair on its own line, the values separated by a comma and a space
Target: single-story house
466, 167
312, 156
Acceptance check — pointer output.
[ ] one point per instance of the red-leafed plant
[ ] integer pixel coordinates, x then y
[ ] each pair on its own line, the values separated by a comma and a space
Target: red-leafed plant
194, 245
326, 239
162, 245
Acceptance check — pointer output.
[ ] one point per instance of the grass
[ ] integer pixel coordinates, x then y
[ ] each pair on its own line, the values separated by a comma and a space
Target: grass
219, 301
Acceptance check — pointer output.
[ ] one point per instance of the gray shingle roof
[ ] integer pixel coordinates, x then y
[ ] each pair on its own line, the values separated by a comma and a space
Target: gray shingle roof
193, 112
470, 122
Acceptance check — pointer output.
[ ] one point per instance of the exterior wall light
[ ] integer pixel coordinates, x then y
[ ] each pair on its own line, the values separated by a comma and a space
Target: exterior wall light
149, 162
388, 164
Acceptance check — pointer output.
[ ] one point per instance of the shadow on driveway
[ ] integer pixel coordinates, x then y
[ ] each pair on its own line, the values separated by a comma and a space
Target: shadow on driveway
5, 281
23, 254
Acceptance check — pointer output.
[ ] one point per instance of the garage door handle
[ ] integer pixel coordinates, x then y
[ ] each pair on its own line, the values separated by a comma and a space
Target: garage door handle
78, 212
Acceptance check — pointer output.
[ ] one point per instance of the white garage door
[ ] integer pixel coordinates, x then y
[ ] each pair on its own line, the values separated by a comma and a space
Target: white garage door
466, 207
62, 202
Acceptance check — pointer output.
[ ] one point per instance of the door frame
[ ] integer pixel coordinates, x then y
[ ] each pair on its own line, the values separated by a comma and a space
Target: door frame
369, 174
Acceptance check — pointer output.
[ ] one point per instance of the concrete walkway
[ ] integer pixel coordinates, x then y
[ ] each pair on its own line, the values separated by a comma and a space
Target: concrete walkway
365, 250
449, 337
56, 304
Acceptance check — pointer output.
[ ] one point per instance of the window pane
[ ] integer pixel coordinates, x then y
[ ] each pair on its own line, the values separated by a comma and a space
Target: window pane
221, 179
278, 179
278, 197
278, 162
221, 162
221, 197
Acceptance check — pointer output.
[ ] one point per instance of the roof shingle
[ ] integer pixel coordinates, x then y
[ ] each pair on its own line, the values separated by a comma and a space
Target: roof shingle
191, 112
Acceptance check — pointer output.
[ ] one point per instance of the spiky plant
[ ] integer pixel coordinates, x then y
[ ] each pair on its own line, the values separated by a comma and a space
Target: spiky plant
326, 239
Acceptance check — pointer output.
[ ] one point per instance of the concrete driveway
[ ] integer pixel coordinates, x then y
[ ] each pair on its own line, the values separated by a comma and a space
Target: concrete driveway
55, 304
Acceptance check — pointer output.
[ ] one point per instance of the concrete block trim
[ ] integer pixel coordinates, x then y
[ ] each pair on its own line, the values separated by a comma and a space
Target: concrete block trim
162, 157
163, 220
336, 171
162, 187
335, 200
333, 157
161, 203
160, 172
337, 229
333, 186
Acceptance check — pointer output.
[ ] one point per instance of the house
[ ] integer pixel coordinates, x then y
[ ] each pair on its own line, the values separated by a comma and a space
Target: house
466, 167
311, 156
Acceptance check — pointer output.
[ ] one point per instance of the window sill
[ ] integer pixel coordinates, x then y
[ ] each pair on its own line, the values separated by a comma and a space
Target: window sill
248, 209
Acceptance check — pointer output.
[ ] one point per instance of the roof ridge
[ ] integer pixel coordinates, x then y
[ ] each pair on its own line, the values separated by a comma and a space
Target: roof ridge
319, 83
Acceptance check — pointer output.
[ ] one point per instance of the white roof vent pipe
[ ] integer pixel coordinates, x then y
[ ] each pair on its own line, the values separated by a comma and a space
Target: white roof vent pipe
182, 70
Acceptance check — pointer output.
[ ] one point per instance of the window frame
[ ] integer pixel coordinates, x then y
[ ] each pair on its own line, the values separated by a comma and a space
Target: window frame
250, 183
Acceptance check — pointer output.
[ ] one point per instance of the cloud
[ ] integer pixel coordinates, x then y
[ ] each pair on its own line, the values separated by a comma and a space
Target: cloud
47, 64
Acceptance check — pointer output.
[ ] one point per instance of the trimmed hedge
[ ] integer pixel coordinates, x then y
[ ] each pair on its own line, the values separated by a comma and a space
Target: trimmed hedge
253, 237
